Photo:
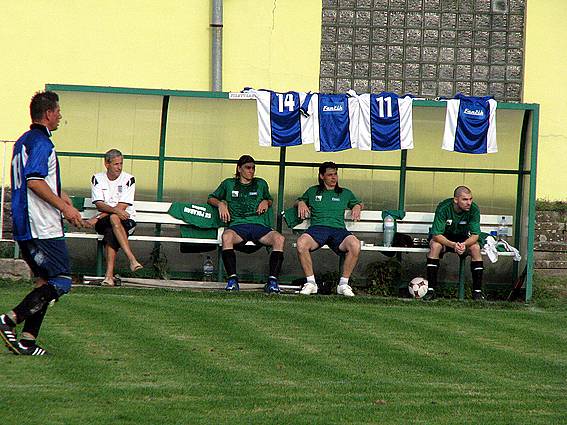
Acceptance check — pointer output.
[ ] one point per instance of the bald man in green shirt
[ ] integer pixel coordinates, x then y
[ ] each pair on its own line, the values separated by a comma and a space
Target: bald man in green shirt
456, 228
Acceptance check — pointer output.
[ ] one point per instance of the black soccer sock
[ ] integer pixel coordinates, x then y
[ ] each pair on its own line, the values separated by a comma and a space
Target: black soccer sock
35, 301
477, 268
5, 319
432, 269
33, 323
276, 260
229, 261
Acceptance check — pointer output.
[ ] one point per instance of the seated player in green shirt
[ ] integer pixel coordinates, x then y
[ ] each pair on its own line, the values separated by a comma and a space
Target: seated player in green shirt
325, 204
243, 202
456, 228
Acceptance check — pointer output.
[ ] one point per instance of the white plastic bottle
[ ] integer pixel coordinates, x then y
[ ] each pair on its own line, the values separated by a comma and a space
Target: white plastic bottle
388, 230
208, 269
502, 229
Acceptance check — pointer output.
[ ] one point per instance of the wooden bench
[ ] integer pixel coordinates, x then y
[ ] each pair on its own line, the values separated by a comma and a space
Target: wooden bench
150, 213
416, 224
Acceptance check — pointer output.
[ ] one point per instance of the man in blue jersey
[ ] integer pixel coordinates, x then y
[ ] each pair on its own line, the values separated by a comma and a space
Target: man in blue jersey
37, 206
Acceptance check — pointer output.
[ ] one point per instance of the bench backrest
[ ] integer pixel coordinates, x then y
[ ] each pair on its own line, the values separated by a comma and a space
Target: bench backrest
146, 212
413, 223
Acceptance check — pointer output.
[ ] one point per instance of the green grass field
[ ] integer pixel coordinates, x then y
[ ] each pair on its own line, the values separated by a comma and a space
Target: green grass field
127, 356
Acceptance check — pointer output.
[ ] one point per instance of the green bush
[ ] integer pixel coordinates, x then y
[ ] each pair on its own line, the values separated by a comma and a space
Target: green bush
383, 277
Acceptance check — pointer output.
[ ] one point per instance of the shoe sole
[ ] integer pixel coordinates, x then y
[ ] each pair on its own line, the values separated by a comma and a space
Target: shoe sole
8, 344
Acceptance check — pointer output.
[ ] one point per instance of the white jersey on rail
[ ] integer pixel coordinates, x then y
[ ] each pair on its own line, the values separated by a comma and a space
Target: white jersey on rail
113, 192
386, 122
280, 122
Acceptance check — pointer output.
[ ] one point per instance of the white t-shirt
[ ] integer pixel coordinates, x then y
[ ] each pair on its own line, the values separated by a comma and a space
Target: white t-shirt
113, 192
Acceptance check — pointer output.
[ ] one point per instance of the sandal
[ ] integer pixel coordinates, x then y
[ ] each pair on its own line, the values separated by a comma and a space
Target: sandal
108, 281
134, 267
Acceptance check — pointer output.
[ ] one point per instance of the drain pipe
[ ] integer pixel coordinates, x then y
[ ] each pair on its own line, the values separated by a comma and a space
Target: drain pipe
216, 48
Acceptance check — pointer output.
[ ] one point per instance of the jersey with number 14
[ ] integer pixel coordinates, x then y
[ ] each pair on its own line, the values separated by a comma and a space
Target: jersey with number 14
385, 122
34, 158
280, 122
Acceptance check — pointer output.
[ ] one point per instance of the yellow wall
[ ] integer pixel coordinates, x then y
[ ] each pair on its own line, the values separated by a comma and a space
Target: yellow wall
151, 44
545, 83
267, 44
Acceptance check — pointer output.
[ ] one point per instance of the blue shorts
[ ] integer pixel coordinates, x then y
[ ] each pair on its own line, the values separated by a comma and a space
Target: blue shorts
330, 236
49, 260
251, 232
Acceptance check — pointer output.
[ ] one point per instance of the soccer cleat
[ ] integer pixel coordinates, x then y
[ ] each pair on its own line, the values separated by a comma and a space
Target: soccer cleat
429, 296
477, 295
309, 288
8, 334
31, 349
232, 284
272, 287
345, 290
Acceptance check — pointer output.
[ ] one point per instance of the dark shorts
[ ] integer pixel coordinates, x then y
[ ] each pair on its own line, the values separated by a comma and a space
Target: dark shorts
104, 227
330, 236
251, 232
49, 260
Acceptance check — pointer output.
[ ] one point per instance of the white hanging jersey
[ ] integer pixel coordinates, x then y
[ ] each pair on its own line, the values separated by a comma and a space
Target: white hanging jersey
335, 120
280, 122
385, 122
113, 192
470, 125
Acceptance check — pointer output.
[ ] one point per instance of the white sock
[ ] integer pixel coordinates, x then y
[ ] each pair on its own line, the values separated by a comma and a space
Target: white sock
311, 279
343, 281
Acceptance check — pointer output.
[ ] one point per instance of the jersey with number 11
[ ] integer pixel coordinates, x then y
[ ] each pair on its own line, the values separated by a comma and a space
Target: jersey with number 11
385, 122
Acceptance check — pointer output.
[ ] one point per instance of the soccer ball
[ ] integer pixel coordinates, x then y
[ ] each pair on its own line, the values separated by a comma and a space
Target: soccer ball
418, 287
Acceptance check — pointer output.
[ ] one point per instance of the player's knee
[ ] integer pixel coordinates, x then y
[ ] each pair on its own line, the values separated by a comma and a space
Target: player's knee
353, 246
227, 237
279, 241
434, 248
303, 244
114, 219
474, 250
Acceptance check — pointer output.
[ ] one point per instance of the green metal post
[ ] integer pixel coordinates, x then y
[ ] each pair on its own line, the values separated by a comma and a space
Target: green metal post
462, 278
531, 208
161, 161
281, 189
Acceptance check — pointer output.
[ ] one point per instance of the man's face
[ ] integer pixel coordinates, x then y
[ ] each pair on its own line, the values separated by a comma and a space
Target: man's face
53, 118
247, 171
463, 202
330, 177
114, 167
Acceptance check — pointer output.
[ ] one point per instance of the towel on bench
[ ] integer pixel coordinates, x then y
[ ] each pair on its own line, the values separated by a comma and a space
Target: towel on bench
202, 219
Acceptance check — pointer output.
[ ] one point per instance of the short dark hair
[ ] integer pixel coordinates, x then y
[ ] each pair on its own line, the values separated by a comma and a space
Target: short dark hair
327, 165
244, 159
459, 190
41, 102
111, 154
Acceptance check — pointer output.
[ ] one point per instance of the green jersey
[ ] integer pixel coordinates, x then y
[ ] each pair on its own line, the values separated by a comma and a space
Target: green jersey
328, 207
243, 200
449, 222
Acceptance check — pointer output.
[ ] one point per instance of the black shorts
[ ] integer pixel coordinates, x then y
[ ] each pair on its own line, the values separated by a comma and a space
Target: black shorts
104, 227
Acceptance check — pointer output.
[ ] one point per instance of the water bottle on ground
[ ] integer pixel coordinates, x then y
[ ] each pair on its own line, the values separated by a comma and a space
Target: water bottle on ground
388, 230
208, 269
502, 231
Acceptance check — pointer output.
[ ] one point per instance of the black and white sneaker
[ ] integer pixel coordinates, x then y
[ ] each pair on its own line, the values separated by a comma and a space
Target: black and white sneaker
8, 334
430, 295
477, 295
30, 348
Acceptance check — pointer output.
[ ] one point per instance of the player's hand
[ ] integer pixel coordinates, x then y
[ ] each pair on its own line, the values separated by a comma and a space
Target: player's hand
355, 212
223, 212
122, 215
90, 222
263, 207
73, 216
460, 248
303, 210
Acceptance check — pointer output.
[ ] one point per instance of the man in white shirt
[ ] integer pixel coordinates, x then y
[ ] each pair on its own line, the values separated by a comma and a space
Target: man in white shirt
113, 194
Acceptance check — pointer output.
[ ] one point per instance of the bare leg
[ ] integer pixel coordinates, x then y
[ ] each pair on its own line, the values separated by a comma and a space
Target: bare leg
350, 245
306, 244
110, 261
122, 239
274, 239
